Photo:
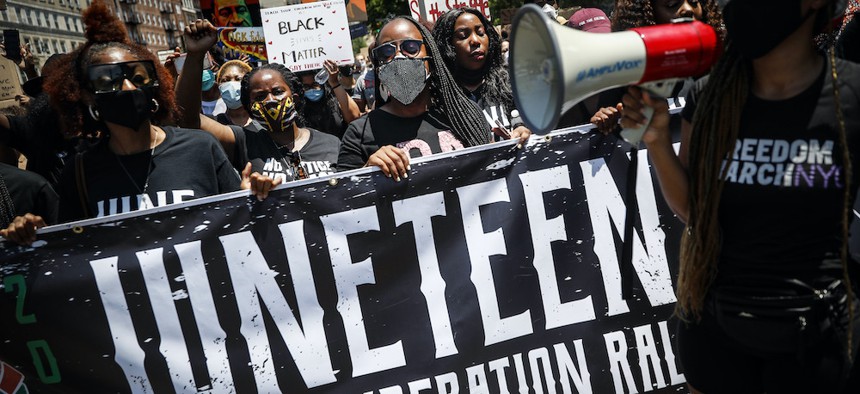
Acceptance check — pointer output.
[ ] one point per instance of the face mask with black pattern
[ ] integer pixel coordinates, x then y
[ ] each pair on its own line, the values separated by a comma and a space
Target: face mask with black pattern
276, 115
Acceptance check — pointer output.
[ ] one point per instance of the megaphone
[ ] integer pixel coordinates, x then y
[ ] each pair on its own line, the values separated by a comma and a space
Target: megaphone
554, 67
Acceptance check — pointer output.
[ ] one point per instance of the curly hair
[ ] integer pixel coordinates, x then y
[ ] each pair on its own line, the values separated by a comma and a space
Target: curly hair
67, 85
638, 13
317, 114
466, 119
232, 63
496, 88
289, 77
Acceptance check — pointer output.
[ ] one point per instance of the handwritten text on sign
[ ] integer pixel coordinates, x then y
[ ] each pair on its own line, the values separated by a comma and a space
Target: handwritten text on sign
10, 83
303, 36
237, 41
433, 9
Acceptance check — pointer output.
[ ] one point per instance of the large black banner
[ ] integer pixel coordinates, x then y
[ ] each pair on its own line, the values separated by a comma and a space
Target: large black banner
488, 270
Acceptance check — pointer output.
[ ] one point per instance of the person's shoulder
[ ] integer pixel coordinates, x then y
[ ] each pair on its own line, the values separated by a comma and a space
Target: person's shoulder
179, 136
437, 119
360, 122
15, 175
321, 137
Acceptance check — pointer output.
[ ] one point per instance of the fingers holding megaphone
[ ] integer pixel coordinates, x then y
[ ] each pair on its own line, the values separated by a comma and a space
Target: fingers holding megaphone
646, 116
554, 67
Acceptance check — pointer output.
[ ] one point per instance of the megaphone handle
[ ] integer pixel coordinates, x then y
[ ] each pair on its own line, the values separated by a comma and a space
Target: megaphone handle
634, 134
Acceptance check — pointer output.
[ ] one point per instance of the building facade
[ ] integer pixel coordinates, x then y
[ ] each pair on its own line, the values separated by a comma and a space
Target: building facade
54, 26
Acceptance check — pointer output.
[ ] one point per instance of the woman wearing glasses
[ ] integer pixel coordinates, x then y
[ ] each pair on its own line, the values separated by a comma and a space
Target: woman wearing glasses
277, 145
420, 108
115, 90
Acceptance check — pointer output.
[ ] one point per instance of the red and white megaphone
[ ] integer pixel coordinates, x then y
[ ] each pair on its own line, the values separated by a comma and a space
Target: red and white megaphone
553, 67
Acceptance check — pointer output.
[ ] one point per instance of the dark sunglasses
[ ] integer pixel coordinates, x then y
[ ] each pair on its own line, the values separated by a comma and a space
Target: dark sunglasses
109, 77
385, 53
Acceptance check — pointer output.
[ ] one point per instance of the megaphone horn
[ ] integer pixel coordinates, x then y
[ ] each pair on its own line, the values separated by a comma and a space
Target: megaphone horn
549, 77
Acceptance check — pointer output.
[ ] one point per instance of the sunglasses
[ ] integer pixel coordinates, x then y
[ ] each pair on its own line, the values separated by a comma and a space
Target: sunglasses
110, 77
385, 53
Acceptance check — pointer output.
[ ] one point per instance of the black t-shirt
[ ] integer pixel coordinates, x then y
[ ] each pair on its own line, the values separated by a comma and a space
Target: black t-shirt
422, 135
30, 193
188, 164
325, 115
492, 111
782, 203
253, 144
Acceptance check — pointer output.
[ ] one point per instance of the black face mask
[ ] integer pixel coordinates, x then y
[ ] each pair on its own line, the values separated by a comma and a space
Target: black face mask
127, 108
756, 27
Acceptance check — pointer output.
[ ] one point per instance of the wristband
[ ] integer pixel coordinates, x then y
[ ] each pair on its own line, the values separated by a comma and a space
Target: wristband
335, 87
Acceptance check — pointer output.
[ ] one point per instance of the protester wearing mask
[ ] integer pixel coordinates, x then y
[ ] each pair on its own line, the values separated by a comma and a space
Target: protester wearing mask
420, 111
276, 144
766, 286
213, 105
364, 93
116, 89
472, 50
328, 107
230, 85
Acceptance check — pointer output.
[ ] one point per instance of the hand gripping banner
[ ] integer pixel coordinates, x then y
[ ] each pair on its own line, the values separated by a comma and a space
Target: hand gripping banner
489, 270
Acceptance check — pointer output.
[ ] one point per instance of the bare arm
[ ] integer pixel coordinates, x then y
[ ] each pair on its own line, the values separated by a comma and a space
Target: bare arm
671, 169
348, 107
199, 37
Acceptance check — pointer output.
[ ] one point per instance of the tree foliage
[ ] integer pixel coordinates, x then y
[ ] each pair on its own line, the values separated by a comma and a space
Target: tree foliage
379, 10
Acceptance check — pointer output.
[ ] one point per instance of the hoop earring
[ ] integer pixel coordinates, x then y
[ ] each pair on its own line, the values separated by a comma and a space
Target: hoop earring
94, 113
155, 104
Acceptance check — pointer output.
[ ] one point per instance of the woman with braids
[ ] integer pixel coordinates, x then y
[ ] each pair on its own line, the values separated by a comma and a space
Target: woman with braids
765, 180
639, 13
472, 51
420, 110
117, 90
276, 145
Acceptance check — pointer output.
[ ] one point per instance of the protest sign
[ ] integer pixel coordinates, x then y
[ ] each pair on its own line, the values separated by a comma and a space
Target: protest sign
10, 83
238, 41
431, 10
303, 36
490, 269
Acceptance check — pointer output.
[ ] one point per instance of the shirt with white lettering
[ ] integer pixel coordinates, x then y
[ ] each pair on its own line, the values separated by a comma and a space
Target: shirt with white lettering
422, 135
317, 157
188, 164
782, 204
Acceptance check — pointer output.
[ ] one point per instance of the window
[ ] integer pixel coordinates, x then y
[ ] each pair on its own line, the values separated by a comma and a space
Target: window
24, 17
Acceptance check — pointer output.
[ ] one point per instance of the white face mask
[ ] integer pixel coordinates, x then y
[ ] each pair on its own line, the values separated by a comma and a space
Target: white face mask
231, 93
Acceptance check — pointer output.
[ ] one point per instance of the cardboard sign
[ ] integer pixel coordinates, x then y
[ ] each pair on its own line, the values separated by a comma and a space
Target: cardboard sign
303, 36
431, 10
10, 83
237, 41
